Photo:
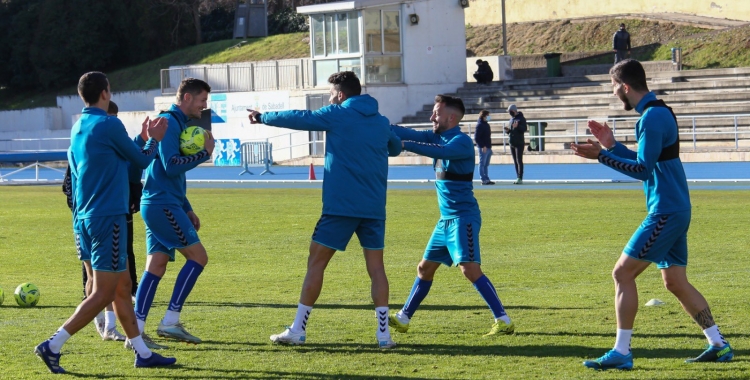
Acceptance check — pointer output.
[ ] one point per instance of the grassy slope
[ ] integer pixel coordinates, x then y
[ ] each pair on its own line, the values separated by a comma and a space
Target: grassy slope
549, 253
146, 75
701, 49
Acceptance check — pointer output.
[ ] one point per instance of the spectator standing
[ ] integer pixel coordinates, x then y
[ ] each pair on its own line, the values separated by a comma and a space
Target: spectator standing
621, 43
483, 138
516, 128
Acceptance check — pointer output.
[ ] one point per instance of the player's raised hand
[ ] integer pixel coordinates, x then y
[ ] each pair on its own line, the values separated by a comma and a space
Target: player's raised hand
209, 144
157, 128
144, 129
589, 150
602, 133
252, 115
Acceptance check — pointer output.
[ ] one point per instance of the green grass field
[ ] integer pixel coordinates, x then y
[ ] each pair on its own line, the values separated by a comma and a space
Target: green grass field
549, 253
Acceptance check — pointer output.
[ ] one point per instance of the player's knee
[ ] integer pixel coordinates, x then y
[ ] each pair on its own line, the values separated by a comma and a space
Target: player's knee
472, 273
620, 275
675, 286
422, 272
201, 259
101, 299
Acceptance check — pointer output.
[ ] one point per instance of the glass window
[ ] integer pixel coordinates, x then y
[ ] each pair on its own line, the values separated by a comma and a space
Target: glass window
318, 35
383, 69
351, 65
330, 37
324, 69
391, 32
342, 34
353, 32
373, 41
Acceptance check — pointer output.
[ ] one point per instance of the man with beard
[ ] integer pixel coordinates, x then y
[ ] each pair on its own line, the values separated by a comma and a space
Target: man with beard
455, 239
358, 143
171, 223
662, 237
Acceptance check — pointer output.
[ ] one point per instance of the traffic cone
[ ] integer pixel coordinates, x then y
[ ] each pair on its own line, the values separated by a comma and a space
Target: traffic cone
311, 177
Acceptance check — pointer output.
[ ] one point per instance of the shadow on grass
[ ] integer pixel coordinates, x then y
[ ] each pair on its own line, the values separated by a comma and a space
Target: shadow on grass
107, 376
370, 306
448, 351
250, 374
695, 334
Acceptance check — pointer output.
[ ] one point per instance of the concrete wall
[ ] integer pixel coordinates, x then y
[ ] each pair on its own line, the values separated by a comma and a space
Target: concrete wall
396, 102
72, 105
435, 49
36, 123
485, 12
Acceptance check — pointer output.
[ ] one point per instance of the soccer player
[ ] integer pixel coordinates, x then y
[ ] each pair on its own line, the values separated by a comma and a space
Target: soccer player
662, 237
170, 221
359, 141
105, 320
99, 150
455, 240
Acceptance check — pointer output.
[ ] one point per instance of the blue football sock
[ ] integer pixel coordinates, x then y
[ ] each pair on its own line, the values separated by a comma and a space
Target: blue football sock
418, 293
488, 292
184, 284
144, 296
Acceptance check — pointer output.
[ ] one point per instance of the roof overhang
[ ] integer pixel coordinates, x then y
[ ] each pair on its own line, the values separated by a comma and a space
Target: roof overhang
344, 6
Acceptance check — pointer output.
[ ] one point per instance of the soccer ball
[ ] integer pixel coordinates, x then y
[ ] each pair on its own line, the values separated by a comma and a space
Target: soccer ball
192, 140
27, 294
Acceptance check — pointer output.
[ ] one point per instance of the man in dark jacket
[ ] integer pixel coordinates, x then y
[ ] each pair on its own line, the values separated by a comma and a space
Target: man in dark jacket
516, 128
483, 138
484, 73
621, 43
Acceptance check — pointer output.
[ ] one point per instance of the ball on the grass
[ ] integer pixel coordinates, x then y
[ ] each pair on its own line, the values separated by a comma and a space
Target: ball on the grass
192, 140
27, 294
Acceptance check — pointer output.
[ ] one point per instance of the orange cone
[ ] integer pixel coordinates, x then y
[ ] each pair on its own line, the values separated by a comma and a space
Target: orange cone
311, 177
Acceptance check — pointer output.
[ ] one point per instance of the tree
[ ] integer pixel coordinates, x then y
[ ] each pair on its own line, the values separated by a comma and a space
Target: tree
193, 9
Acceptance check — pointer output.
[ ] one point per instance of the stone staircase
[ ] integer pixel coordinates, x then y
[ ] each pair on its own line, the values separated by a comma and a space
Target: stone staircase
713, 103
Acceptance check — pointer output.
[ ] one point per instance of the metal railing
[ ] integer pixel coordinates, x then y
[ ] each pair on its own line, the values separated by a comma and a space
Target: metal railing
735, 127
256, 153
243, 77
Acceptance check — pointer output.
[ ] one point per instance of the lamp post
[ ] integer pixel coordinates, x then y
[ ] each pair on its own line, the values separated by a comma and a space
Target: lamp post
505, 38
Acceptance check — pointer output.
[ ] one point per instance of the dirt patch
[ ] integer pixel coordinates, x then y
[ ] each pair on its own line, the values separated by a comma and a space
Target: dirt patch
571, 36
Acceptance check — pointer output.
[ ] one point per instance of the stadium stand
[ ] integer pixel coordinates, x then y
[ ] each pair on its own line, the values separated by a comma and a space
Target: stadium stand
718, 99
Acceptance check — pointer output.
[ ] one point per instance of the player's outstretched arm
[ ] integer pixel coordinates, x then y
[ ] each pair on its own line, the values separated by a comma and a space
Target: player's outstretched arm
302, 120
412, 135
394, 144
459, 147
169, 151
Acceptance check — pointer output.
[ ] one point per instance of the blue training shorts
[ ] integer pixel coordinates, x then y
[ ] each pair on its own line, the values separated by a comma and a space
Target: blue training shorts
98, 240
335, 231
661, 239
167, 228
455, 241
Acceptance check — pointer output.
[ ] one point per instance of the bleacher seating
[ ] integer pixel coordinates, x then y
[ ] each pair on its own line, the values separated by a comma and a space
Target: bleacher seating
563, 101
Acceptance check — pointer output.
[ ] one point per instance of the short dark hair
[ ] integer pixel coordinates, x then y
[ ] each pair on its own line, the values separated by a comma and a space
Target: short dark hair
479, 61
192, 86
113, 109
346, 82
622, 25
91, 85
483, 113
452, 102
630, 72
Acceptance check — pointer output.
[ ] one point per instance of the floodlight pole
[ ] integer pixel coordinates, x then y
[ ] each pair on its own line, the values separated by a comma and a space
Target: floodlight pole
505, 38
